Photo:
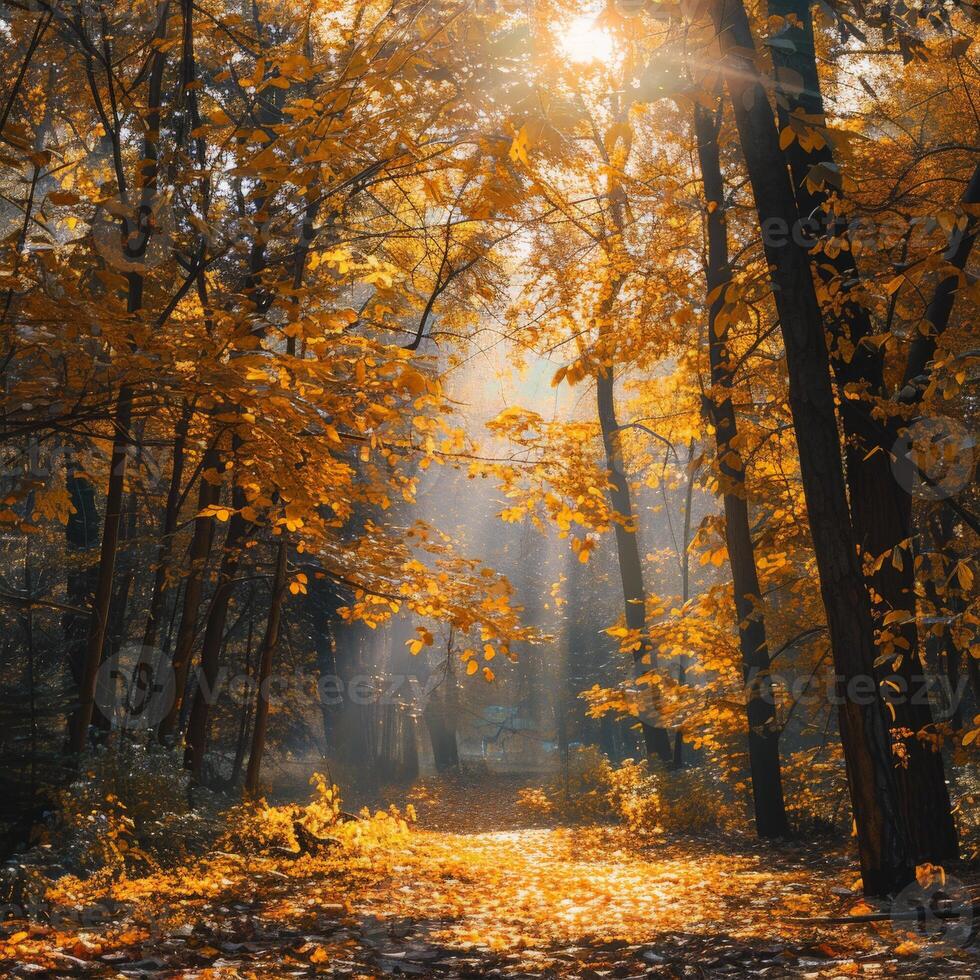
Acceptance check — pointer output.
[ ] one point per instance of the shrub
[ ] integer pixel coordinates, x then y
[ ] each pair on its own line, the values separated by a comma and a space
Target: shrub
254, 827
645, 800
131, 806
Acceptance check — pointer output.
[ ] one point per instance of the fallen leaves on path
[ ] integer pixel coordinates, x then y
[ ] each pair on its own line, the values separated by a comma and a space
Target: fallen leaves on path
533, 887
583, 902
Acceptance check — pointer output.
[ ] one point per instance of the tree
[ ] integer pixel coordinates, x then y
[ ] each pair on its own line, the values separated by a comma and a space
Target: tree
767, 788
883, 833
880, 505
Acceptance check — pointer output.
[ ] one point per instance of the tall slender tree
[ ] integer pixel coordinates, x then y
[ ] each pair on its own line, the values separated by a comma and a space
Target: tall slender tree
763, 729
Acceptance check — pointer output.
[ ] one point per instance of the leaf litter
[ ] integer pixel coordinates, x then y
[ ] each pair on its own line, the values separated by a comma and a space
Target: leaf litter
490, 898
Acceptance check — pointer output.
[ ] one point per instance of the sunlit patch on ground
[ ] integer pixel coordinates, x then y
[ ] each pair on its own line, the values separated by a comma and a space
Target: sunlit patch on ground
539, 886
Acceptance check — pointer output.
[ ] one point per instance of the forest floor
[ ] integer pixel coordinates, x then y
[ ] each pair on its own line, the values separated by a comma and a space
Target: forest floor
475, 889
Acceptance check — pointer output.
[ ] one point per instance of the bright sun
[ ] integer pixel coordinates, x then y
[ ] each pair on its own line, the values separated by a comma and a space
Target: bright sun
583, 41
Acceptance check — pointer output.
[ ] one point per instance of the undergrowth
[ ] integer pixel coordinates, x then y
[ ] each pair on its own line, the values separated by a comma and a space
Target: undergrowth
647, 800
132, 824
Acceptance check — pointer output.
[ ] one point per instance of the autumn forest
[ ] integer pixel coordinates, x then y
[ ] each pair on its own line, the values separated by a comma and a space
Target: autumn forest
489, 488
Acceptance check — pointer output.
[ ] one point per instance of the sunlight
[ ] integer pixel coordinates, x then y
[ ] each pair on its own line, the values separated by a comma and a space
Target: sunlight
584, 41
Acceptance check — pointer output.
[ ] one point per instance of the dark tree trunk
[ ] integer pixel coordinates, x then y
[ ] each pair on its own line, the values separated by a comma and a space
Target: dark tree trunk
269, 643
441, 718
134, 242
99, 621
396, 759
655, 736
82, 535
881, 509
200, 549
214, 634
883, 836
167, 531
947, 655
126, 574
245, 717
321, 605
442, 734
685, 562
763, 730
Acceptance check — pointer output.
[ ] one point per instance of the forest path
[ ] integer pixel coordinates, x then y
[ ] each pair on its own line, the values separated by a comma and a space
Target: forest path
489, 898
476, 882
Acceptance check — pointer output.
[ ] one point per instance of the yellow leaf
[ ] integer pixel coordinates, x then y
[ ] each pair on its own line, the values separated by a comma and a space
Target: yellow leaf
519, 147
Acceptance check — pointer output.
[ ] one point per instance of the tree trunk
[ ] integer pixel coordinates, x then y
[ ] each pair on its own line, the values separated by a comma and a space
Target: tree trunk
269, 643
442, 734
200, 550
946, 605
685, 563
168, 530
99, 620
441, 718
126, 575
134, 243
656, 738
82, 536
199, 722
882, 831
763, 734
881, 509
245, 716
321, 607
